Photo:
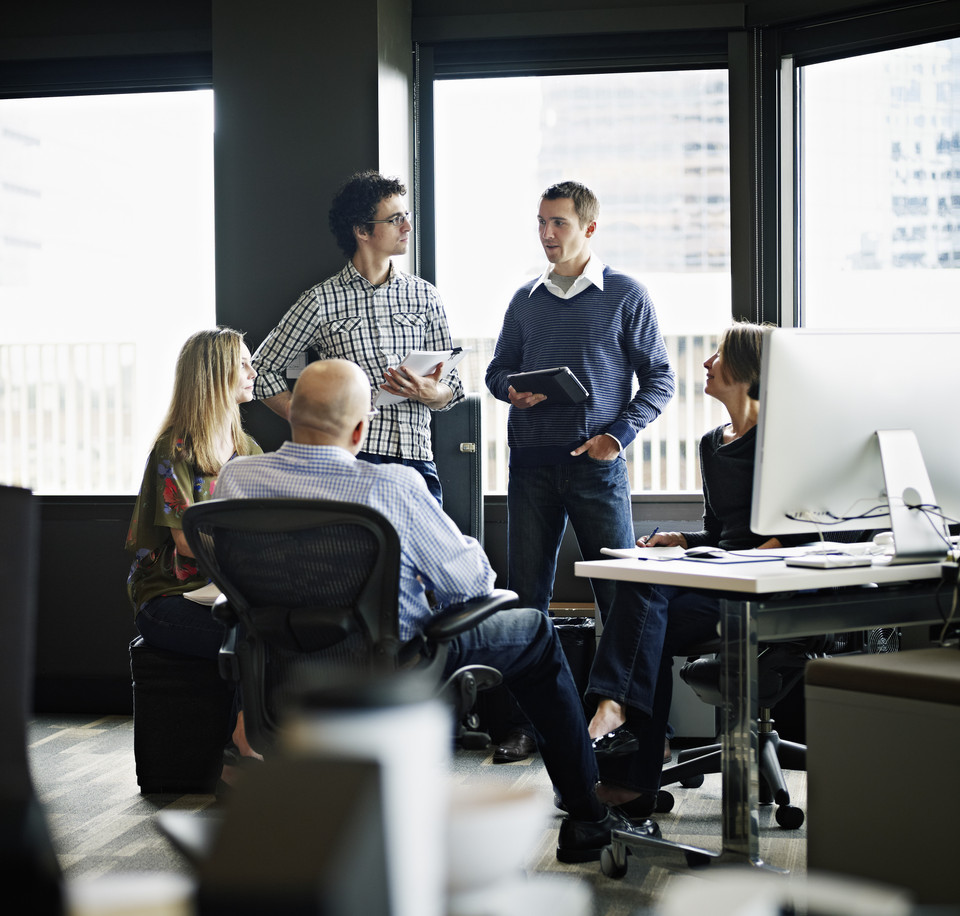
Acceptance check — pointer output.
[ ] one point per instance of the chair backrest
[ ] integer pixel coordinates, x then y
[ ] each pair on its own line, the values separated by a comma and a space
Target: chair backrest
314, 584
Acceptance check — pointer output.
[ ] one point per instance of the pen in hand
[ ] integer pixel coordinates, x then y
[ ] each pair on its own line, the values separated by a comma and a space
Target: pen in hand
651, 534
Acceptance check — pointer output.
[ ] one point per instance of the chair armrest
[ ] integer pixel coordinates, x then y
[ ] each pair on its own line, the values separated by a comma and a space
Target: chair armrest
222, 612
227, 662
450, 622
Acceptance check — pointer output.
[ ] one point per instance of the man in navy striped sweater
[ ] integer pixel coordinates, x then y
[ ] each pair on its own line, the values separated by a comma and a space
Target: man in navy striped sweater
566, 460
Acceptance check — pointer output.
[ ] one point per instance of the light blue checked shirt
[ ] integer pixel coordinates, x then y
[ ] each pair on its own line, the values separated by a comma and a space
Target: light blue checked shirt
435, 555
375, 327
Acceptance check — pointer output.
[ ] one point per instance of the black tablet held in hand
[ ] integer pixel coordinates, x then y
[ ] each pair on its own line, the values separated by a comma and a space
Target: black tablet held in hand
558, 384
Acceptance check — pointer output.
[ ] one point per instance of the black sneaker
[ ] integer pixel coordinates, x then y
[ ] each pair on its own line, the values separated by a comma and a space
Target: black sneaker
583, 841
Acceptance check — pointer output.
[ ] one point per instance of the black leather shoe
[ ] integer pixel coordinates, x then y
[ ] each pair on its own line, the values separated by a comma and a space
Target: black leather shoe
617, 743
583, 841
516, 746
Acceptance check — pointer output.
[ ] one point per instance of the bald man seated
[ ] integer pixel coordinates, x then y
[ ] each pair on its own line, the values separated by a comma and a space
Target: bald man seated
329, 412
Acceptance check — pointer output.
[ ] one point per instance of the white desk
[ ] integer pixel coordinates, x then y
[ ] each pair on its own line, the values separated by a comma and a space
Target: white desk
762, 578
767, 600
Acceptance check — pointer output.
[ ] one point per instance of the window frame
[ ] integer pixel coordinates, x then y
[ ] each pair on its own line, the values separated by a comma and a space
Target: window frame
763, 60
562, 55
817, 41
584, 55
751, 58
105, 75
41, 77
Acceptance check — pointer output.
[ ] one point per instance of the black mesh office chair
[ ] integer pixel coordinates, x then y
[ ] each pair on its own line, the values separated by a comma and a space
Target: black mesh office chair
311, 586
780, 667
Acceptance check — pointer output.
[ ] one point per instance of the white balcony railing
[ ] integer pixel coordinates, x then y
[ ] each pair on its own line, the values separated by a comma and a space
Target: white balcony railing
66, 417
663, 459
67, 422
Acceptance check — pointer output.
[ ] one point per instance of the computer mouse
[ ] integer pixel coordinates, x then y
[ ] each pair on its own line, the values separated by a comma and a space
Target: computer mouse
704, 551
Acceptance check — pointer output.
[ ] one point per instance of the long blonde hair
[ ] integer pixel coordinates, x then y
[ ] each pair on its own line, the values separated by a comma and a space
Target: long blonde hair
205, 397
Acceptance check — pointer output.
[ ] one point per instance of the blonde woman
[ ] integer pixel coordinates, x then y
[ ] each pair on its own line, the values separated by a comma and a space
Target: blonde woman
200, 433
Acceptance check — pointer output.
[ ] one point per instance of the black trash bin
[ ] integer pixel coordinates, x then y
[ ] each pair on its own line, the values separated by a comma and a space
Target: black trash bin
578, 637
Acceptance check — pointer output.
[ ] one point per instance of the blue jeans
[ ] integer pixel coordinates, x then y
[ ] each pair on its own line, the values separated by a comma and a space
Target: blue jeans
648, 625
594, 495
426, 469
522, 645
178, 624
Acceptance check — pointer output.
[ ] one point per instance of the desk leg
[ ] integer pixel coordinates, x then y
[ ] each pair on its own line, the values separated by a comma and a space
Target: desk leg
739, 779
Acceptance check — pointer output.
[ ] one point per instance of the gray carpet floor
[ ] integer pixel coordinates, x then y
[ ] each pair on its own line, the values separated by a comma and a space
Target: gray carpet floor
100, 824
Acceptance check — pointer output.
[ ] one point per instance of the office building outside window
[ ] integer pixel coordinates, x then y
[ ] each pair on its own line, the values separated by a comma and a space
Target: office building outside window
880, 180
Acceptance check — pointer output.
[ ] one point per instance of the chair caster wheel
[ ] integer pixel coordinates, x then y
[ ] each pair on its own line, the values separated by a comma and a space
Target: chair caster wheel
475, 741
609, 865
789, 817
664, 802
693, 782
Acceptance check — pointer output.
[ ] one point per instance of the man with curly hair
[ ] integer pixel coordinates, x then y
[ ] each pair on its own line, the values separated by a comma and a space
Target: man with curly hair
372, 314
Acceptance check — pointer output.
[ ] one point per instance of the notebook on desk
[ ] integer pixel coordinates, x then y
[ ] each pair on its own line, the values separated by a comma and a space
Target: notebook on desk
729, 557
680, 553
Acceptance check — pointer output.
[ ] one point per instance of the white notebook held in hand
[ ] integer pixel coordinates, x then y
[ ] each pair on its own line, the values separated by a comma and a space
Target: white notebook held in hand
207, 594
423, 362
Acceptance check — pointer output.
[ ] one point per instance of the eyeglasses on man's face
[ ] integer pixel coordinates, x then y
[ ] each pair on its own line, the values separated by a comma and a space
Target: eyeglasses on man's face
395, 221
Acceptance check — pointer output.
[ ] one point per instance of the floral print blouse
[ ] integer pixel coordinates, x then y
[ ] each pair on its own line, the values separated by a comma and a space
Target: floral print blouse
170, 486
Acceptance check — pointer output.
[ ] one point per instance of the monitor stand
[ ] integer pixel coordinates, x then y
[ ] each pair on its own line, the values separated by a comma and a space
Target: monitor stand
917, 536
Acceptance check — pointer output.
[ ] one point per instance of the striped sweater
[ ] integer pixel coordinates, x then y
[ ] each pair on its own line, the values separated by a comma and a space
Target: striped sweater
606, 337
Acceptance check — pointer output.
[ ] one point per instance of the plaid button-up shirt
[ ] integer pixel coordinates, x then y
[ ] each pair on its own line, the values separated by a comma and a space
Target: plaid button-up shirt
347, 317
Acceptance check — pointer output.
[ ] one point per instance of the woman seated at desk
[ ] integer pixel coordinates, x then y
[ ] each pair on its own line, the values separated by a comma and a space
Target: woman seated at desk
631, 681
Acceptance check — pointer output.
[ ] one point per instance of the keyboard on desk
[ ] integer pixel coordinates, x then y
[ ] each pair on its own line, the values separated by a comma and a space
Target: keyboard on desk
830, 561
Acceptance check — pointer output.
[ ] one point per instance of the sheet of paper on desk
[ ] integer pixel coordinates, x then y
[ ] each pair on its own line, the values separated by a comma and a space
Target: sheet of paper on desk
423, 362
206, 595
643, 553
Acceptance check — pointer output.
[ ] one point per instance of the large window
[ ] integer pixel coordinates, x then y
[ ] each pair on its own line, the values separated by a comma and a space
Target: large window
106, 266
880, 180
654, 146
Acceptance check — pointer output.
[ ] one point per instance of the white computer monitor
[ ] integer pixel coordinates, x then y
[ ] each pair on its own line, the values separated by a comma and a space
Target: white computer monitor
824, 397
